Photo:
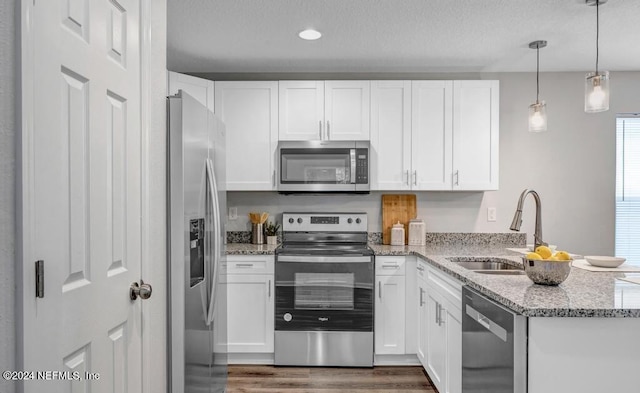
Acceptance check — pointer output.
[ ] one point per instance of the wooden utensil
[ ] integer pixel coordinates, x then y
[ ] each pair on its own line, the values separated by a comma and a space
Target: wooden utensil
397, 208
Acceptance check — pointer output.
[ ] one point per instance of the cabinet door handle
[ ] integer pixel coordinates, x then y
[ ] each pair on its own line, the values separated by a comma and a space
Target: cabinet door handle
328, 131
244, 264
320, 129
415, 178
457, 174
269, 286
395, 266
421, 300
420, 268
274, 177
380, 290
436, 316
407, 176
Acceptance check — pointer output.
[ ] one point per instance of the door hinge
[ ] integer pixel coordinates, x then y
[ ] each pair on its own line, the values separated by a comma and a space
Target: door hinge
40, 278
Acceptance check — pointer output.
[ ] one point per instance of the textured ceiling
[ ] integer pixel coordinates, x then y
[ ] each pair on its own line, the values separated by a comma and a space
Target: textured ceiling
400, 35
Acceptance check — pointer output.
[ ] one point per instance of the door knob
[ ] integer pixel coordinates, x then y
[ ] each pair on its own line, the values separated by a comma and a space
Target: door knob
143, 290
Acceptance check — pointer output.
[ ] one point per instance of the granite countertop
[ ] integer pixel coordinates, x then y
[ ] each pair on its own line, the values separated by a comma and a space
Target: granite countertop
250, 249
582, 294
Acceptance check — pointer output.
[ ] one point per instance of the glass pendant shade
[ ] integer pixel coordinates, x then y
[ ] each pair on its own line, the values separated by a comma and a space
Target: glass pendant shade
596, 92
538, 117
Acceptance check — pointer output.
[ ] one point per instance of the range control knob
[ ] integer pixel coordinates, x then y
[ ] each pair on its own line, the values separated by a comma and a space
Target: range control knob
358, 221
291, 221
350, 220
299, 220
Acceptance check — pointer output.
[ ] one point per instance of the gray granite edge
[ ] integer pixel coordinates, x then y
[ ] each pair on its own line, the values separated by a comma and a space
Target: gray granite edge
466, 278
526, 311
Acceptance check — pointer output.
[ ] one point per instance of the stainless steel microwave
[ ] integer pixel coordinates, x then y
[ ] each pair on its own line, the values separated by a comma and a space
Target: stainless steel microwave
323, 166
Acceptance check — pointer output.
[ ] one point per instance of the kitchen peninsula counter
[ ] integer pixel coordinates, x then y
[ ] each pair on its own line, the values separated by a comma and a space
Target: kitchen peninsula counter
582, 294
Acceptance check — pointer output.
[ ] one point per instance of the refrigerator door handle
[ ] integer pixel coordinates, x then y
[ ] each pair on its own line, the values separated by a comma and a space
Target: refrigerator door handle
215, 210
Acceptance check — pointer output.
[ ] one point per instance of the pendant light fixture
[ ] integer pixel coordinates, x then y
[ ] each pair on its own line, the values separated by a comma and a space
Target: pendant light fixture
596, 87
538, 110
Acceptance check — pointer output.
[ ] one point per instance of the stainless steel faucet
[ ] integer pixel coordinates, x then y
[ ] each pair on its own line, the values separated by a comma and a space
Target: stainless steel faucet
517, 218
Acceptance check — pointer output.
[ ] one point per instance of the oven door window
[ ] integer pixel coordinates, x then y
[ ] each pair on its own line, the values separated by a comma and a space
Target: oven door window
324, 291
300, 166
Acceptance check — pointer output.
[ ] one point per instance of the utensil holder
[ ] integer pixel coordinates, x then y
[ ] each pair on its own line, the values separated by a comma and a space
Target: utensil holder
257, 234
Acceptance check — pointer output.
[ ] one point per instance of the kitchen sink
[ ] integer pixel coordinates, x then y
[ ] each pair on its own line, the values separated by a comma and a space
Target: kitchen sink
489, 266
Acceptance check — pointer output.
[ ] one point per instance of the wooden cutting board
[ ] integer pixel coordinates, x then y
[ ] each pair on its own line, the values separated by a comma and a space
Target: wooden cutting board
397, 207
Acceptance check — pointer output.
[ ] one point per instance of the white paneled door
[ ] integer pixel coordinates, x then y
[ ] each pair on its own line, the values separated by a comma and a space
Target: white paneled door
82, 184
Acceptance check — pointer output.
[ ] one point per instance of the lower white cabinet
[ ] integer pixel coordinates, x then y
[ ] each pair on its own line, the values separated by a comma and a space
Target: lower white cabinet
390, 306
421, 329
249, 284
439, 345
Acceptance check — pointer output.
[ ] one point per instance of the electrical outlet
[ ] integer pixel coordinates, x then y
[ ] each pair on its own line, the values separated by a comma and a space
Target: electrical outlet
233, 213
491, 214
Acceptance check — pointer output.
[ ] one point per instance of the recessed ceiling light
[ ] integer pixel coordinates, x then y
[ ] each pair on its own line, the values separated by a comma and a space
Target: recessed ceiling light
309, 34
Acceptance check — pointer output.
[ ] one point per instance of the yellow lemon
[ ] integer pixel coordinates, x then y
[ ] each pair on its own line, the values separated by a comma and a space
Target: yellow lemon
563, 256
553, 258
533, 255
543, 251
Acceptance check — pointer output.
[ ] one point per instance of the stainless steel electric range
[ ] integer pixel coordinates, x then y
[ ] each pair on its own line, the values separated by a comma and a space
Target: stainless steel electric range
324, 287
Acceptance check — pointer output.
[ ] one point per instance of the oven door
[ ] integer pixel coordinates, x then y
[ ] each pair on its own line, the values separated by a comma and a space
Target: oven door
324, 293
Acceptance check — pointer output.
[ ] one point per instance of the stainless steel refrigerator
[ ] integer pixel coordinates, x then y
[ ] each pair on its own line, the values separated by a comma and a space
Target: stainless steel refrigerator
196, 228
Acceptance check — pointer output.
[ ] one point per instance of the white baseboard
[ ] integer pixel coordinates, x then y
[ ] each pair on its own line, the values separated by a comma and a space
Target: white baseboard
251, 358
396, 360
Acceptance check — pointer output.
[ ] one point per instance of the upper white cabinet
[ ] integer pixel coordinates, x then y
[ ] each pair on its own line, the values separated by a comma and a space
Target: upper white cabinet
324, 110
250, 112
390, 154
198, 88
431, 135
475, 135
434, 135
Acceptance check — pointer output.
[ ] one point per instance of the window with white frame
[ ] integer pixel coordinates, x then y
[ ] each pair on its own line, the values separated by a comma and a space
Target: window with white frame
628, 187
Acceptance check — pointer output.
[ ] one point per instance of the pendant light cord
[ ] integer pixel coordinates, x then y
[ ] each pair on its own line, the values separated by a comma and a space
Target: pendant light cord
597, 33
538, 74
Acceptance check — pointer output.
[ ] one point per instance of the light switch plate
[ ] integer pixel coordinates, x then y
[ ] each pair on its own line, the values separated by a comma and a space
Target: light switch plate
491, 214
233, 213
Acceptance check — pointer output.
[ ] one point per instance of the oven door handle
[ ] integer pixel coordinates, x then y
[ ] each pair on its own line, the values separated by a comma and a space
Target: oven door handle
323, 259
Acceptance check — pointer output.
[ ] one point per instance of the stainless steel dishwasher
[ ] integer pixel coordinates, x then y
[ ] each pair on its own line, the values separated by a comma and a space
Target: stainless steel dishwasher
494, 346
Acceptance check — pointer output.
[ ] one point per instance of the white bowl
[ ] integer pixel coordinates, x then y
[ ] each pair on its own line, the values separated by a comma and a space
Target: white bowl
601, 261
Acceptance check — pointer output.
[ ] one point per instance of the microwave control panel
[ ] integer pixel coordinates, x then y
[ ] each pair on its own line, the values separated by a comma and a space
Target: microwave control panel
362, 166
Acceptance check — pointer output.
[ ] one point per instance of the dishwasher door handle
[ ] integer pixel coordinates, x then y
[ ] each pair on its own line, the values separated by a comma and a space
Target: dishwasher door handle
487, 323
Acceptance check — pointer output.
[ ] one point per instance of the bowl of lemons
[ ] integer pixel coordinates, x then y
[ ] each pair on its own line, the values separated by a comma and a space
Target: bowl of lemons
545, 267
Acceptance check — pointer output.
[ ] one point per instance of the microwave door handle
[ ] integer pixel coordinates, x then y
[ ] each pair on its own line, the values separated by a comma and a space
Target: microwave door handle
353, 166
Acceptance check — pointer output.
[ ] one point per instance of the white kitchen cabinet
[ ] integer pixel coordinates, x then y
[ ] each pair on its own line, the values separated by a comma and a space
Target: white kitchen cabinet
443, 357
249, 284
301, 108
389, 306
436, 357
324, 110
475, 135
434, 135
249, 111
390, 154
421, 334
200, 89
431, 135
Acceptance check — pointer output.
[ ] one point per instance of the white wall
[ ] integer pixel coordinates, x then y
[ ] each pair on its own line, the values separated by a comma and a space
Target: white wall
572, 167
7, 189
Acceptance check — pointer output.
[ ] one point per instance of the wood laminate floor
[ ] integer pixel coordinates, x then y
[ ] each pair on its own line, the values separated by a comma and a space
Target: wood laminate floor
269, 379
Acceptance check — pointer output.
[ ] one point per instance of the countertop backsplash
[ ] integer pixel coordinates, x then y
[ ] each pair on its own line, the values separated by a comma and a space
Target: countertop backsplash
515, 239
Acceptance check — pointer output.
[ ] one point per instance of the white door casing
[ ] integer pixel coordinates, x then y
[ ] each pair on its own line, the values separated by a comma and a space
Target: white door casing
82, 186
